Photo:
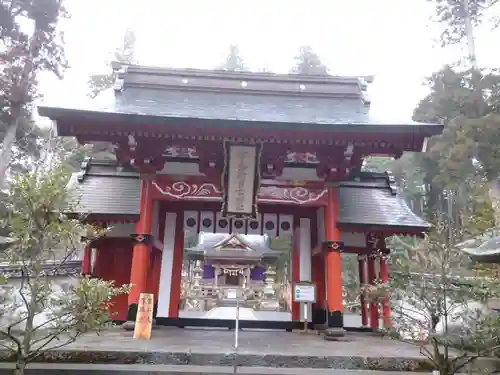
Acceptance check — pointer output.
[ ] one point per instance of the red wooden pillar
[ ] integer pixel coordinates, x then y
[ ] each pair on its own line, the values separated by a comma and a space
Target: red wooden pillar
87, 261
384, 278
372, 278
362, 295
333, 265
99, 262
142, 248
295, 265
154, 273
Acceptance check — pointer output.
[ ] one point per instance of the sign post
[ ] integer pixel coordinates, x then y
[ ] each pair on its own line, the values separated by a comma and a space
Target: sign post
144, 318
235, 294
304, 292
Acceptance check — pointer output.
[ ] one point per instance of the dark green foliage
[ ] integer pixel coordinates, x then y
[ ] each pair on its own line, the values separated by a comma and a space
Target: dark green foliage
234, 62
463, 160
307, 62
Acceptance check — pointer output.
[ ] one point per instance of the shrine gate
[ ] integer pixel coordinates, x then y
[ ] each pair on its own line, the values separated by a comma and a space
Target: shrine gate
218, 152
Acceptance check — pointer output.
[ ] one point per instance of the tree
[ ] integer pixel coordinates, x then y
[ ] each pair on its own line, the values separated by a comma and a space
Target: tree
307, 62
437, 305
234, 62
98, 83
22, 56
36, 206
124, 54
461, 160
458, 19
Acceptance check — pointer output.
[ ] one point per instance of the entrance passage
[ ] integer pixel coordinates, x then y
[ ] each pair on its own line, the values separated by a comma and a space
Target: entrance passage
260, 271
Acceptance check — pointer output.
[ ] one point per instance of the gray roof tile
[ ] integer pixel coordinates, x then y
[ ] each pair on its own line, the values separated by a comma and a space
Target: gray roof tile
242, 107
108, 195
371, 200
376, 206
169, 96
488, 250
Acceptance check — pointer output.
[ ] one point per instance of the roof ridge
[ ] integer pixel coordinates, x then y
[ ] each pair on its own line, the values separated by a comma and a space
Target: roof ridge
240, 82
226, 240
362, 80
366, 176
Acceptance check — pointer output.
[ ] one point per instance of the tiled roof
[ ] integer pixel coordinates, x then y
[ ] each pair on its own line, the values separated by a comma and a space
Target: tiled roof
160, 96
487, 251
243, 107
367, 199
208, 242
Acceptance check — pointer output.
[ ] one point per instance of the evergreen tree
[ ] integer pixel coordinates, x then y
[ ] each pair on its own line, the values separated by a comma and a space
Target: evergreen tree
22, 56
458, 19
462, 160
74, 153
234, 62
307, 62
124, 54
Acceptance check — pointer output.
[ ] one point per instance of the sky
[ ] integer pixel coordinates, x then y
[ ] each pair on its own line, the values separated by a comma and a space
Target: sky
391, 39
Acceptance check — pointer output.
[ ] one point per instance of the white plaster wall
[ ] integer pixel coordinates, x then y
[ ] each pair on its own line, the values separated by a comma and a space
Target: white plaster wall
305, 258
121, 230
167, 261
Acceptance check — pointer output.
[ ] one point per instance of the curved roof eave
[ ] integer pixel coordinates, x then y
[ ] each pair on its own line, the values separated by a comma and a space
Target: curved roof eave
70, 116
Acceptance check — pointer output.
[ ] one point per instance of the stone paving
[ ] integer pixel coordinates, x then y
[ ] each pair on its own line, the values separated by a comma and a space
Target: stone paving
86, 369
212, 347
211, 341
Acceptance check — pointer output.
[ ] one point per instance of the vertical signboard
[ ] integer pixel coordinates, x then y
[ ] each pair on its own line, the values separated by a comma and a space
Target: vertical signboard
241, 180
144, 319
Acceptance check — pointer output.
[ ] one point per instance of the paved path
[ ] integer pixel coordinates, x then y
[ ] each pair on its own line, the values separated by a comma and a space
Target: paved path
170, 339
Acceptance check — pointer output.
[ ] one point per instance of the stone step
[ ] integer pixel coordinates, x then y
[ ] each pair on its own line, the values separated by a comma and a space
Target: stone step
111, 369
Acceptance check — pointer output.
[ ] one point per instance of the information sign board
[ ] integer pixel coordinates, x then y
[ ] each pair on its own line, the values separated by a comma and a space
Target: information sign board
304, 292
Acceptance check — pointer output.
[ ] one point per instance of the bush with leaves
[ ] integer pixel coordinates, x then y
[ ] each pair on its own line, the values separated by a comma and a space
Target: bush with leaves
45, 238
438, 306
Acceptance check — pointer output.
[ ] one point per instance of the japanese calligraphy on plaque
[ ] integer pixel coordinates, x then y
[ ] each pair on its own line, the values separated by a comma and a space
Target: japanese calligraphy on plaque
241, 180
144, 319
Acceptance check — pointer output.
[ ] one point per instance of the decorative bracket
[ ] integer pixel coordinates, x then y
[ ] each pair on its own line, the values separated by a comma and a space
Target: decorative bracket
211, 161
332, 165
372, 240
145, 238
272, 162
330, 246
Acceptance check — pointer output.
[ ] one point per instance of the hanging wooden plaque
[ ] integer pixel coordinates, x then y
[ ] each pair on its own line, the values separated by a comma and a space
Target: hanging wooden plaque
241, 180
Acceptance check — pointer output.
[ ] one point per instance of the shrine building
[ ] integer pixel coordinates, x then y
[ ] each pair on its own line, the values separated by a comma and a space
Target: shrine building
250, 181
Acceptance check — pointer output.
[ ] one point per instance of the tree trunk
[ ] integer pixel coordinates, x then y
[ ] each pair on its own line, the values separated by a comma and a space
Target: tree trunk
6, 152
469, 32
20, 366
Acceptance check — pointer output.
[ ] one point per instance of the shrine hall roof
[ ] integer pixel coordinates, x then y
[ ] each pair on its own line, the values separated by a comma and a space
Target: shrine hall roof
369, 200
487, 249
219, 245
215, 99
